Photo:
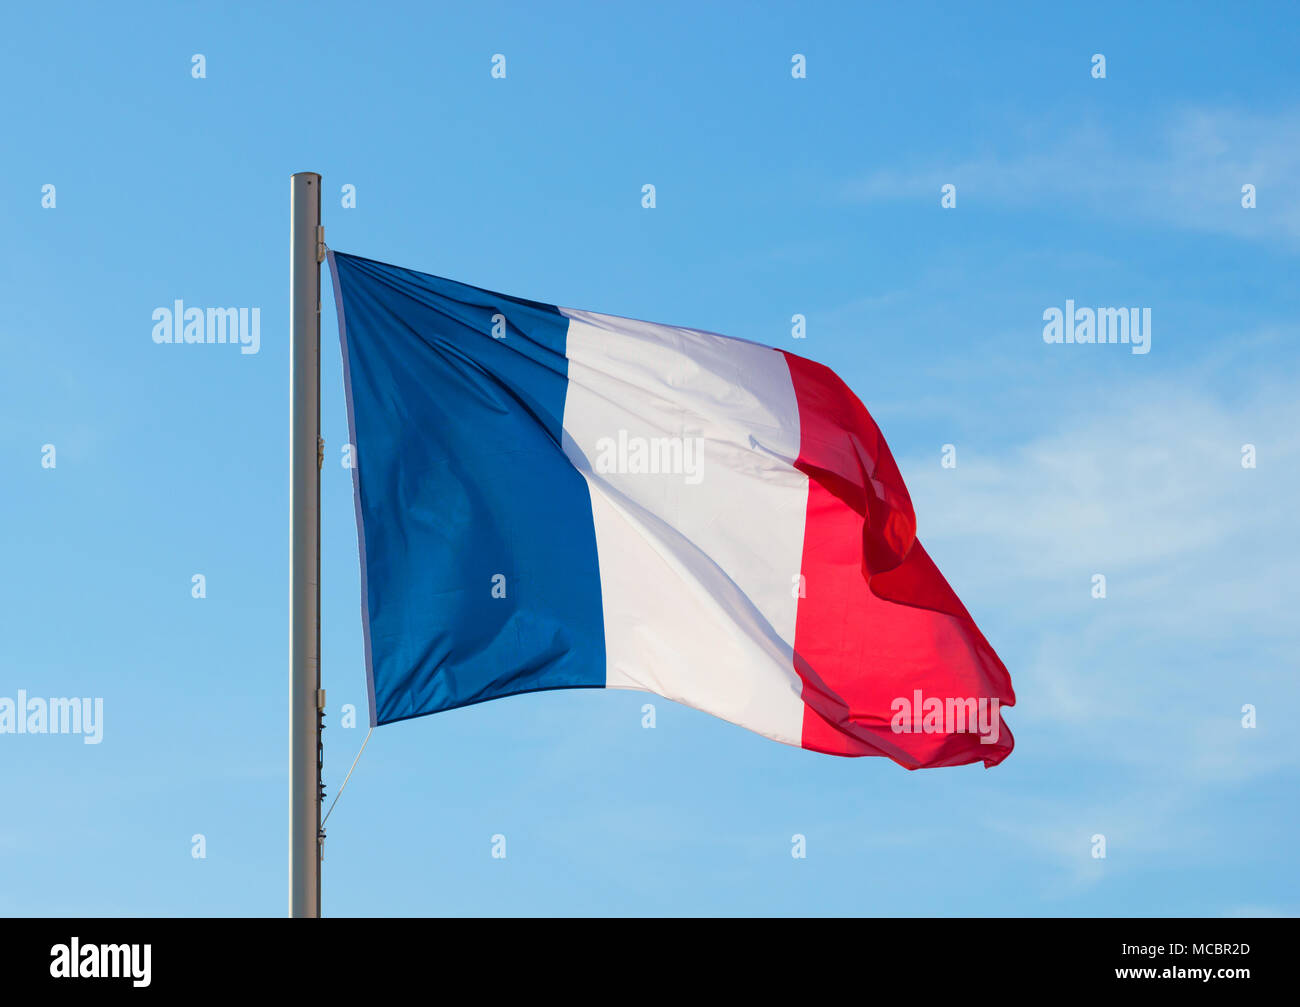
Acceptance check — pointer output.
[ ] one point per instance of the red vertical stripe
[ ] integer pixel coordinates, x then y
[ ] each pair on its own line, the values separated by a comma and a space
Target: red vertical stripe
877, 623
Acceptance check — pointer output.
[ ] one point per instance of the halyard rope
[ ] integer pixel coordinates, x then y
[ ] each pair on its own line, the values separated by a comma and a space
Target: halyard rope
346, 778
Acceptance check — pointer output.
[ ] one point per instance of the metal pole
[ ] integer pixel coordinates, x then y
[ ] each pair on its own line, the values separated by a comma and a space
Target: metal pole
306, 701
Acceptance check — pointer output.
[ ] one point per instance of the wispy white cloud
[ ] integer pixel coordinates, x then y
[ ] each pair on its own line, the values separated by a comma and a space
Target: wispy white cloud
1187, 173
1144, 485
1143, 481
1136, 828
1258, 912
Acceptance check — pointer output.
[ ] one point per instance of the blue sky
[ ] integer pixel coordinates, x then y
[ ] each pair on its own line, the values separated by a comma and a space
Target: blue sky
775, 196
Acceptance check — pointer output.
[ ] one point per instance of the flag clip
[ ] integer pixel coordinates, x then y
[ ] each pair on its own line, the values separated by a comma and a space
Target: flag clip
320, 242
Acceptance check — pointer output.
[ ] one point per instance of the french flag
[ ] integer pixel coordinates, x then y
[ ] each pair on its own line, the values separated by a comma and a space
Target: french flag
550, 498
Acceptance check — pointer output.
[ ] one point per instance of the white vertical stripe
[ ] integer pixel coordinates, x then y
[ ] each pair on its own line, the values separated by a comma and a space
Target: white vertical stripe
699, 564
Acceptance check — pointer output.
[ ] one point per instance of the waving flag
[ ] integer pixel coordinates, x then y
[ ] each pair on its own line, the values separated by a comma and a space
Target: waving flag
550, 498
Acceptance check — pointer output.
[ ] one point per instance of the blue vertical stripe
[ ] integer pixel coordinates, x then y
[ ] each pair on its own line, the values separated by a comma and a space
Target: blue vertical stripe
463, 486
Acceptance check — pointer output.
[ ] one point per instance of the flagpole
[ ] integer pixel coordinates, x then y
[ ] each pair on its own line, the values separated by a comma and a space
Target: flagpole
306, 700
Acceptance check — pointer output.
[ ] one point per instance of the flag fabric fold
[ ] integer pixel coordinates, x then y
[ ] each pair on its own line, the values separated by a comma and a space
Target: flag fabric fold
552, 498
